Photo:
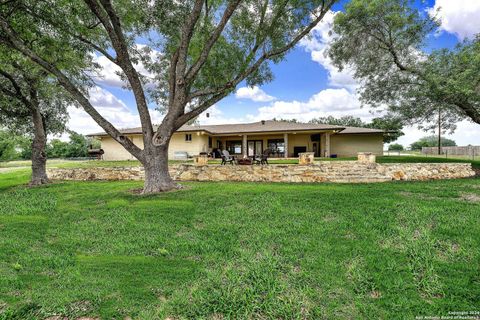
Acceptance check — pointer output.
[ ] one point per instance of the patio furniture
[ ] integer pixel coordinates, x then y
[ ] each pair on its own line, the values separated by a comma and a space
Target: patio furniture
216, 153
227, 158
180, 155
95, 153
263, 158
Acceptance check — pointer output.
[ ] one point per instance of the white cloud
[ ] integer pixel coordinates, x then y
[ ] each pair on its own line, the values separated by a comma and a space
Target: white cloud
460, 17
109, 72
253, 93
110, 107
467, 133
101, 98
334, 102
216, 116
317, 43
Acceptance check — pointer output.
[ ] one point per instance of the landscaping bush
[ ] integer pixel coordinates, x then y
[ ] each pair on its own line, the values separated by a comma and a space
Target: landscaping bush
395, 147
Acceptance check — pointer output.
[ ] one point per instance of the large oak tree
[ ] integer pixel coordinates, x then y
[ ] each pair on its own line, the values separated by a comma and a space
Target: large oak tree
384, 41
196, 53
30, 103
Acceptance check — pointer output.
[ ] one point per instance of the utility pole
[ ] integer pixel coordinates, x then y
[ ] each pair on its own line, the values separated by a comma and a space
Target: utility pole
439, 131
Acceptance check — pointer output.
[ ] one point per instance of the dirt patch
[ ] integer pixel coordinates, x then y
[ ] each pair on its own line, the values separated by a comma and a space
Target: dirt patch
470, 197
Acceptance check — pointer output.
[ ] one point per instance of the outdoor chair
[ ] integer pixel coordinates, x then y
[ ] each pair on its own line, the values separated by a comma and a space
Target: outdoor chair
263, 158
227, 158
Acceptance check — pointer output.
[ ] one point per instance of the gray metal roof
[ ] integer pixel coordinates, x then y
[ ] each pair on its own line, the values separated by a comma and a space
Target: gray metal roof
353, 130
257, 127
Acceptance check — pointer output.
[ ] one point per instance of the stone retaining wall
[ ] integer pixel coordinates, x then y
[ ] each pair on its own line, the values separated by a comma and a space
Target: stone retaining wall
326, 171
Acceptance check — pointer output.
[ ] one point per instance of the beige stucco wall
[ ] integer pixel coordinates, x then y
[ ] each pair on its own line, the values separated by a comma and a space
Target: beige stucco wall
348, 145
342, 145
115, 151
299, 140
198, 144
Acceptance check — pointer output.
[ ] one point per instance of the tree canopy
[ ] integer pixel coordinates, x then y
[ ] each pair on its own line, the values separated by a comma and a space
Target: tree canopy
31, 103
24, 87
193, 54
391, 125
431, 141
395, 147
384, 42
349, 121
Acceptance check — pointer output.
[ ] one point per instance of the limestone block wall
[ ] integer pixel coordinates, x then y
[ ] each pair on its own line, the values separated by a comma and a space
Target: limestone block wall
326, 171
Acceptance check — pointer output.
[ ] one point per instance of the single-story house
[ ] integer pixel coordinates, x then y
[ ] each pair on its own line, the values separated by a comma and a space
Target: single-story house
284, 139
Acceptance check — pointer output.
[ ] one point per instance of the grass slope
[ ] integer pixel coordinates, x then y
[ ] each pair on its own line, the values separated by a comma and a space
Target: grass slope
239, 250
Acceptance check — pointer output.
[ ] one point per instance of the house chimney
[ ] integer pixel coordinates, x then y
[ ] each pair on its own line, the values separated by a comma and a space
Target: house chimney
263, 121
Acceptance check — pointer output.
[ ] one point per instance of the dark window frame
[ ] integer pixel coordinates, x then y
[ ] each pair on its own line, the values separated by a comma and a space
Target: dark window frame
231, 145
188, 137
254, 146
276, 149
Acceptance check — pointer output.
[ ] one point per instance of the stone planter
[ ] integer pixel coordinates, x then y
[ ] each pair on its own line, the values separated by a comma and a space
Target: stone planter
200, 160
306, 158
366, 157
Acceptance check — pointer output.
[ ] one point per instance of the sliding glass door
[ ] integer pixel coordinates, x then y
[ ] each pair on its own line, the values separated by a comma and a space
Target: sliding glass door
255, 147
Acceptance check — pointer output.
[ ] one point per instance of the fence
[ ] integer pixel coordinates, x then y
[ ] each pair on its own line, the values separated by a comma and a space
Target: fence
463, 151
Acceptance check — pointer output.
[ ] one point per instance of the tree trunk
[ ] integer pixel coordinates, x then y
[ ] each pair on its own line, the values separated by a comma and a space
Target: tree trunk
39, 156
157, 177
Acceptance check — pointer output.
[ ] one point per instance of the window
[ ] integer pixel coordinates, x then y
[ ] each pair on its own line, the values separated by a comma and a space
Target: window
210, 142
234, 147
188, 137
276, 146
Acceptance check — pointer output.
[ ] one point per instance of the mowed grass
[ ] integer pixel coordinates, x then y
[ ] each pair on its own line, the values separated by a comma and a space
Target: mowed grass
239, 250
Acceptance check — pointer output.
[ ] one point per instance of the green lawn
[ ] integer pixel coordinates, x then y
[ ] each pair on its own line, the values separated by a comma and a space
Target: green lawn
239, 250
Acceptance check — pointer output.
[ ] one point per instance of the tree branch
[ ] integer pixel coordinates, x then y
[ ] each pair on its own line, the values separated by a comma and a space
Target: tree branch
186, 36
267, 55
195, 68
76, 36
13, 41
198, 110
18, 91
111, 22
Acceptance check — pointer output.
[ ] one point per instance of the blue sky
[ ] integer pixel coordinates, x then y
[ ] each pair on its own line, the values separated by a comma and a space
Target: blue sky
305, 84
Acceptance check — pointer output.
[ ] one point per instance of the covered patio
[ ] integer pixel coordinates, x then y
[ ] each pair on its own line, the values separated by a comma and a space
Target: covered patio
280, 144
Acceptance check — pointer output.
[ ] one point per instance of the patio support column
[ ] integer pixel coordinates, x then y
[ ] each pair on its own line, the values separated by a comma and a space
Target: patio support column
285, 140
327, 144
244, 145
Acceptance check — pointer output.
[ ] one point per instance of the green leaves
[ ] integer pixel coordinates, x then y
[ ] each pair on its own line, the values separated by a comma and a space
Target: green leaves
431, 141
391, 125
383, 40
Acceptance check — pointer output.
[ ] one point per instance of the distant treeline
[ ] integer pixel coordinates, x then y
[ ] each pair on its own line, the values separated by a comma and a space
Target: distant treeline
17, 147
